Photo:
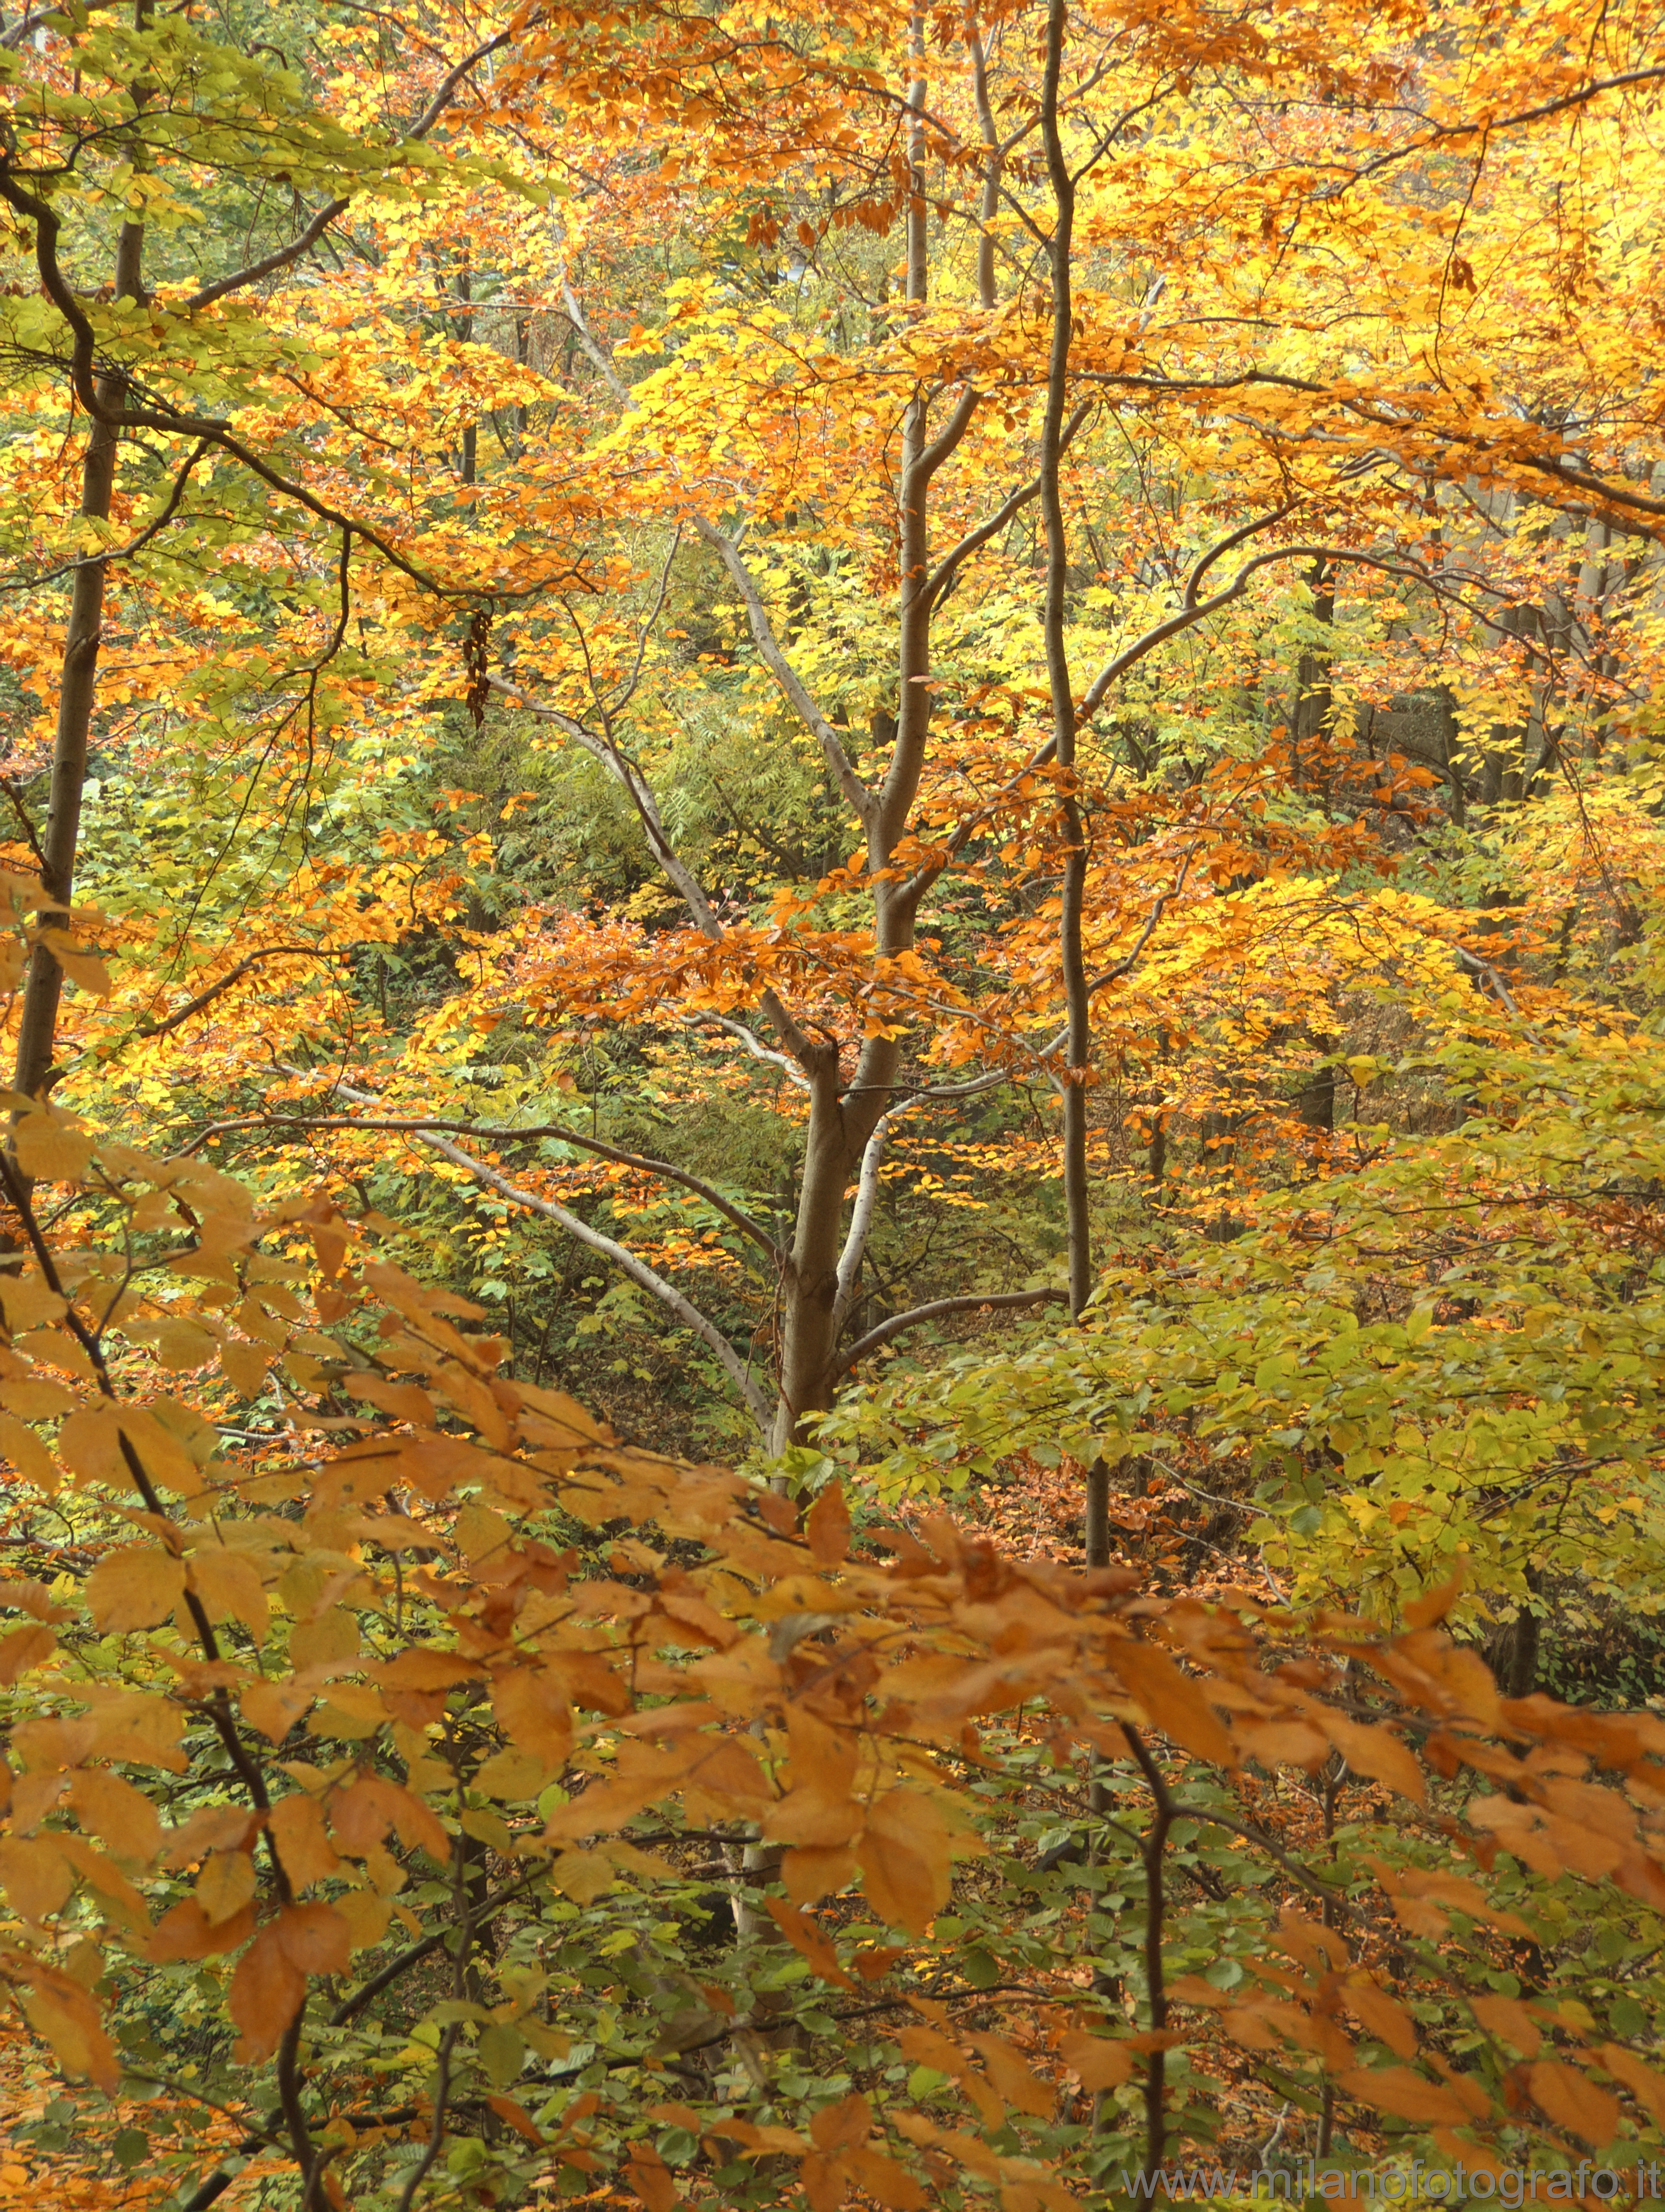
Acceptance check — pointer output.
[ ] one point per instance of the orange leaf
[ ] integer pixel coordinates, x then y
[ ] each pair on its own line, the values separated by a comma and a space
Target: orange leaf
35, 1874
533, 1711
1173, 1701
844, 2126
1100, 2062
885, 2181
23, 1649
118, 1814
1377, 1752
650, 2179
274, 1707
228, 1583
68, 2019
828, 1527
1433, 1604
296, 1828
134, 1587
1382, 2015
1508, 2018
1012, 2075
266, 1991
811, 1875
185, 1932
1643, 2084
225, 1885
807, 1940
314, 1938
904, 1855
518, 2117
1395, 2089
1573, 2101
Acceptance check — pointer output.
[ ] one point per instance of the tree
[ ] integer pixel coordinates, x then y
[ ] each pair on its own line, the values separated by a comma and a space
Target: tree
960, 527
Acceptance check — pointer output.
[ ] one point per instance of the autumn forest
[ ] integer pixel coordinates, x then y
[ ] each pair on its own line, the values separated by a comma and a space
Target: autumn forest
832, 1197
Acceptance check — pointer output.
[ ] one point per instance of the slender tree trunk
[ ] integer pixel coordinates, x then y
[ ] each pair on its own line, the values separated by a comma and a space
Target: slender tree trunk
1079, 1040
1077, 1008
469, 458
76, 697
810, 1302
842, 1118
1314, 715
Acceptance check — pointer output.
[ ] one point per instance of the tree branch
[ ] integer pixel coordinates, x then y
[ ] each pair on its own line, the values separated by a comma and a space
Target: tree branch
269, 264
206, 998
861, 801
598, 360
431, 1126
948, 568
634, 784
757, 1404
994, 1301
758, 1050
860, 1214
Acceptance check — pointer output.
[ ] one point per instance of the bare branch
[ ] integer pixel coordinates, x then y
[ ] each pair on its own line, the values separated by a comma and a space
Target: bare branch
861, 800
625, 772
234, 975
428, 1125
992, 1301
860, 1214
758, 1403
951, 563
788, 1066
1193, 610
628, 692
594, 354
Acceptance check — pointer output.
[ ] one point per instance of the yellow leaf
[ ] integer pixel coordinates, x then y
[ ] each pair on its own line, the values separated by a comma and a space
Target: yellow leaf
25, 1648
67, 2018
244, 1366
134, 1587
122, 1817
225, 1885
581, 1876
30, 1458
35, 1875
512, 1776
367, 1916
50, 1146
228, 1583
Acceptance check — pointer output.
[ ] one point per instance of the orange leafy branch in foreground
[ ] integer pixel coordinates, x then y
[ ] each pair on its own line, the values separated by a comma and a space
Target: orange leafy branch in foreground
350, 1655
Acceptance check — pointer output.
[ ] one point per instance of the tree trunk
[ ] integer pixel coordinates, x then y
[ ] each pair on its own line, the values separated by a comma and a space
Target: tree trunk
76, 697
1313, 718
1078, 1048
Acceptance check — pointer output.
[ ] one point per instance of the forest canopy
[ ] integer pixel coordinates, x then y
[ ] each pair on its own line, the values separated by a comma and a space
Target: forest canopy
831, 926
